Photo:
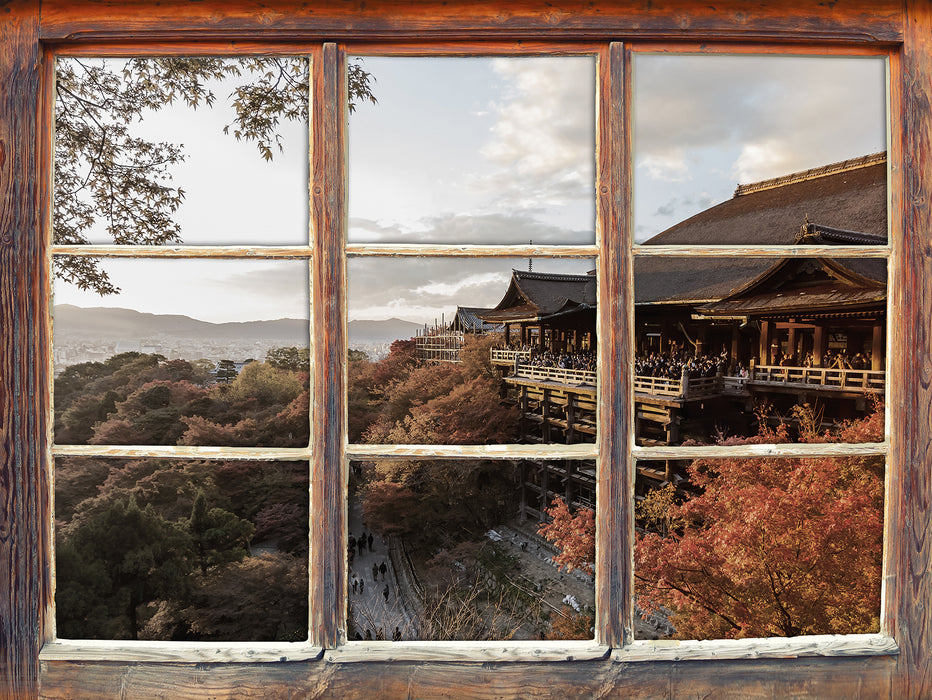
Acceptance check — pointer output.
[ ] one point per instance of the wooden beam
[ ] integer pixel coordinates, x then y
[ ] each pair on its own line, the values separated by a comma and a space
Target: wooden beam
328, 527
25, 563
859, 677
907, 591
840, 22
615, 474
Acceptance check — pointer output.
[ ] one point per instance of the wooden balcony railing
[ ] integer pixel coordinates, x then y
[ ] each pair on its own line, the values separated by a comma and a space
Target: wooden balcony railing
507, 356
556, 374
863, 380
852, 380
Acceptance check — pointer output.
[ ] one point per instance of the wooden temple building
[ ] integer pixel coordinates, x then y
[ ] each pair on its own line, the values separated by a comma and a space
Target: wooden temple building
442, 342
747, 331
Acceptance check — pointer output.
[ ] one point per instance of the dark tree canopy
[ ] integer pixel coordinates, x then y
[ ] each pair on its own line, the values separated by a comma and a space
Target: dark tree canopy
105, 175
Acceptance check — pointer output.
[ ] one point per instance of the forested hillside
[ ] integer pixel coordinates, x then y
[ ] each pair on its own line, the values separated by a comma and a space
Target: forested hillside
175, 548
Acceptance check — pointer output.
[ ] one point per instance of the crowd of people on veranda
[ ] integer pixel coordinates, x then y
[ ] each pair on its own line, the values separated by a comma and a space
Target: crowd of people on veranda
832, 360
671, 365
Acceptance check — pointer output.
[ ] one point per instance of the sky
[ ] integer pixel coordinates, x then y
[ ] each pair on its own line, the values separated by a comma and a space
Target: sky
489, 150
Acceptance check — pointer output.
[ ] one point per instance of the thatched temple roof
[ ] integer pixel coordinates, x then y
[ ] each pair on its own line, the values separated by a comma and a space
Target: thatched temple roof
839, 204
532, 296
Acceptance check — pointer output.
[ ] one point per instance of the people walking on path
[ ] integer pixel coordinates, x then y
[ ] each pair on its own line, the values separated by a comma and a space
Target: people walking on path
385, 592
382, 569
375, 571
370, 541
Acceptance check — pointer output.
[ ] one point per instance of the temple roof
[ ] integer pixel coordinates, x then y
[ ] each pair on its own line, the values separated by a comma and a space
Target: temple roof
838, 204
802, 285
467, 319
851, 195
532, 296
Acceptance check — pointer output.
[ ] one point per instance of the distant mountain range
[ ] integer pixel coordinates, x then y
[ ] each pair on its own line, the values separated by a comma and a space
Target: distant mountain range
113, 324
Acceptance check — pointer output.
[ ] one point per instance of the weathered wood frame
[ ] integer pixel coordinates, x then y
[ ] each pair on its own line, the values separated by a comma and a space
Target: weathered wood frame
860, 665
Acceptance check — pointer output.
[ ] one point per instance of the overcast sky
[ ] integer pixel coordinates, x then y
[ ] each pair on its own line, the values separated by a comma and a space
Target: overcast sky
489, 150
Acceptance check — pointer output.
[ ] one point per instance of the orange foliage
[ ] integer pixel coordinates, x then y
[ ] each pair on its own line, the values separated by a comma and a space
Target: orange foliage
772, 547
574, 535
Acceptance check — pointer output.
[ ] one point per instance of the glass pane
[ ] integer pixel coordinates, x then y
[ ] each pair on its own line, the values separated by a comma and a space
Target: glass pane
474, 150
451, 550
804, 137
189, 352
761, 349
733, 548
181, 550
201, 151
474, 351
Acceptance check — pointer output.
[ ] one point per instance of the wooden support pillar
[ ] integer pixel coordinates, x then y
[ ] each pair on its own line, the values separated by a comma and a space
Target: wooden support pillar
571, 419
673, 427
877, 349
545, 415
736, 346
569, 490
702, 340
522, 486
507, 334
791, 349
819, 345
544, 504
763, 355
522, 413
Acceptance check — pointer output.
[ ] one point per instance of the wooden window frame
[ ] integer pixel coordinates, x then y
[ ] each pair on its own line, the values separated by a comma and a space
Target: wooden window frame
31, 31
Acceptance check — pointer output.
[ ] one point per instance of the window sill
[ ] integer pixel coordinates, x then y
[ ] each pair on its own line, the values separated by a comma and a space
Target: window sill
178, 652
777, 648
468, 652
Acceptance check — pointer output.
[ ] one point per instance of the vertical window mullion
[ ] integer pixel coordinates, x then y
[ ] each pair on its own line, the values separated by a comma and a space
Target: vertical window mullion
614, 522
328, 341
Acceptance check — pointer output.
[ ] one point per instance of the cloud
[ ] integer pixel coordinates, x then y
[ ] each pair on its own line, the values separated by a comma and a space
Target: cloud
678, 204
765, 115
280, 280
477, 229
422, 289
542, 144
668, 167
456, 287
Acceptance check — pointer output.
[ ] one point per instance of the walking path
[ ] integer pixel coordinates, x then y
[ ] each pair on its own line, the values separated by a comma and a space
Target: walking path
373, 612
377, 615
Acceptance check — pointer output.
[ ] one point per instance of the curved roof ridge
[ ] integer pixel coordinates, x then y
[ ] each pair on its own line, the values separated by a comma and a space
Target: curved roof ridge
552, 276
812, 173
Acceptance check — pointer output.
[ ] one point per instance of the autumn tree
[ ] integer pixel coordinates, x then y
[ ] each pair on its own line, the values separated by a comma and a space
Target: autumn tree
771, 546
573, 534
261, 598
401, 400
568, 623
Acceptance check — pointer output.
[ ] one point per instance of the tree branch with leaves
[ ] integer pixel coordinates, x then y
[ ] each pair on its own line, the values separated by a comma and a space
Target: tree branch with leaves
108, 177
